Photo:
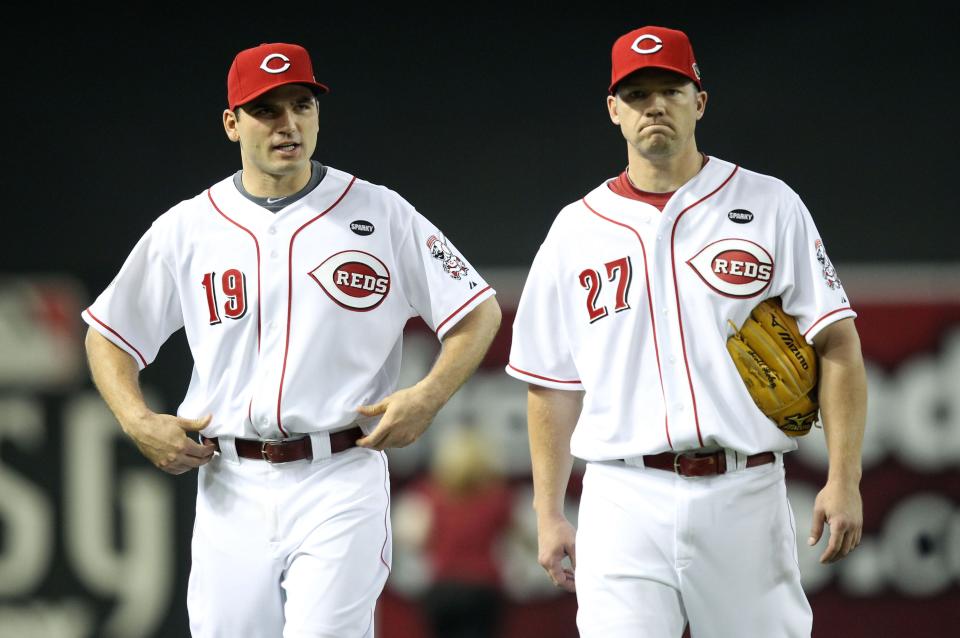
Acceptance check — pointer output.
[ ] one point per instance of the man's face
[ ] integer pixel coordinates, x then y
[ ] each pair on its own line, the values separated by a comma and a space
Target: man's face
657, 111
277, 131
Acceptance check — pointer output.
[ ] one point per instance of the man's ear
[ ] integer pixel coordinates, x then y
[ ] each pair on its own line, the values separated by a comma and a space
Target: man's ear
230, 125
612, 109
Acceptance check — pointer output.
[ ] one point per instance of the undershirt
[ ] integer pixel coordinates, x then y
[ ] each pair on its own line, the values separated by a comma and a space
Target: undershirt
276, 204
622, 186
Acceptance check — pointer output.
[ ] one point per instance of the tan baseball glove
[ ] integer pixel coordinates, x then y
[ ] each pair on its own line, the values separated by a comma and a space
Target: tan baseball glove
778, 367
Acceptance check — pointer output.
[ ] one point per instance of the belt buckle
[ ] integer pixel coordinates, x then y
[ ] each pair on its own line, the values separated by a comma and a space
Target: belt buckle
676, 463
263, 449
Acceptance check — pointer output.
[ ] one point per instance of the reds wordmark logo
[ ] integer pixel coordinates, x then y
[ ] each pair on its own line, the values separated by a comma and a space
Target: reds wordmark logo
355, 280
734, 267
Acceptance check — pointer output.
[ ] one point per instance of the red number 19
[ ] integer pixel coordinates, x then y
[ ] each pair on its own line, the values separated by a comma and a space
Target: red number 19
234, 286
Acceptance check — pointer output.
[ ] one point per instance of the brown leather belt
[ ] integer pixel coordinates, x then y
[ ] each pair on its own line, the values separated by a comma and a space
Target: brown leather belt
700, 463
286, 450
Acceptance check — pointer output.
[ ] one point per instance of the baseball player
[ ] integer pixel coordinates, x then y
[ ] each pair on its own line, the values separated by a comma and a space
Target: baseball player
621, 333
293, 281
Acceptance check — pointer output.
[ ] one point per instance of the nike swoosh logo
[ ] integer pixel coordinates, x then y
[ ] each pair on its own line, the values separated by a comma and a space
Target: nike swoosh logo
272, 200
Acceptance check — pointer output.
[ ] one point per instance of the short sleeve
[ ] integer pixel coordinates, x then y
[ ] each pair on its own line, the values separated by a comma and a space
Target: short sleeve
441, 285
811, 289
539, 353
140, 308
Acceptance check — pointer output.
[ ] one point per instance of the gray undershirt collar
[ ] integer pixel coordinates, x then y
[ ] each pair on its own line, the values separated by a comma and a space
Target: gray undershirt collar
276, 204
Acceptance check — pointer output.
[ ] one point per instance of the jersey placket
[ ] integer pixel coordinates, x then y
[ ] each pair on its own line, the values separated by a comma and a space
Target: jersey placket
680, 402
275, 241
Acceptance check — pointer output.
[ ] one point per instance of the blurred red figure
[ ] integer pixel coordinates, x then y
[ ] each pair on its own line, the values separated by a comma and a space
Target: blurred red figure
457, 515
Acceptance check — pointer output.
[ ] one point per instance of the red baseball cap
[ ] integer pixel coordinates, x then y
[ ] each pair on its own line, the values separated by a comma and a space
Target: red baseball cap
653, 47
255, 71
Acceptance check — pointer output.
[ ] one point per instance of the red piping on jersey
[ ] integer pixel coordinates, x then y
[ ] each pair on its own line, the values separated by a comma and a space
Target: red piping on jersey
676, 288
386, 512
832, 312
653, 322
454, 313
118, 336
286, 347
537, 376
257, 246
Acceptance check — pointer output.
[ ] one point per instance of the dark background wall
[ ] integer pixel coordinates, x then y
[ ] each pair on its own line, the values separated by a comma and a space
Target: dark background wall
487, 122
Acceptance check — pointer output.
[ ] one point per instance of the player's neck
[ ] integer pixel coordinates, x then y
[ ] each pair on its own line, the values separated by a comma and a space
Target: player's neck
260, 184
663, 174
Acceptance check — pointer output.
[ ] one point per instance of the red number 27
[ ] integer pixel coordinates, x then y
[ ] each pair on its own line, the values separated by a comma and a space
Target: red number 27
620, 270
233, 283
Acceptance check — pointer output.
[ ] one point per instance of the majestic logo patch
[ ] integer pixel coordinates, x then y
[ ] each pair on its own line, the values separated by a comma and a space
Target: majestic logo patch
362, 227
740, 216
734, 267
452, 265
829, 273
355, 280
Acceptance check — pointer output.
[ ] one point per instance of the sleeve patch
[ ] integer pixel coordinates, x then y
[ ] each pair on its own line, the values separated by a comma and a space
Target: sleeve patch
827, 270
452, 264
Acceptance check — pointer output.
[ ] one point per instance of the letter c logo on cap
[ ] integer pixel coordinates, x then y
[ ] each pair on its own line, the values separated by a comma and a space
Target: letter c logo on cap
265, 65
657, 44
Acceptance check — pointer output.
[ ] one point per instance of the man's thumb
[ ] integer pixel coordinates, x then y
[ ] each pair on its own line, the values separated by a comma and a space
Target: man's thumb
817, 529
195, 425
373, 410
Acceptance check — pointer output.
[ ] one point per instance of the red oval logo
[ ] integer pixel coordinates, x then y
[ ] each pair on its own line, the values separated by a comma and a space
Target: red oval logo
734, 267
355, 280
359, 280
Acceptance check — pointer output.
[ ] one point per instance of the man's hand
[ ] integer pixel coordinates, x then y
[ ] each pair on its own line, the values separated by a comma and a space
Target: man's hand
406, 415
163, 439
838, 505
556, 540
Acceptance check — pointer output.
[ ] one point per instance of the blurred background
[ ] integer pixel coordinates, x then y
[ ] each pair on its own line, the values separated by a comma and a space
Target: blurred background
488, 123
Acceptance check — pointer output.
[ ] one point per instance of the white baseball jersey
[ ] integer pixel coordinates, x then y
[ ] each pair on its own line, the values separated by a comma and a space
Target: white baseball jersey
294, 319
633, 306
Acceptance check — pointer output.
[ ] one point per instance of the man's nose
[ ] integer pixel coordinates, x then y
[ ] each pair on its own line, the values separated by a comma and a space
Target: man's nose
655, 105
286, 120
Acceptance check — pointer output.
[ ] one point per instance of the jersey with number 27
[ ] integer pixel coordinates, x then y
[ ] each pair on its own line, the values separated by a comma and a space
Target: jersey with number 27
634, 306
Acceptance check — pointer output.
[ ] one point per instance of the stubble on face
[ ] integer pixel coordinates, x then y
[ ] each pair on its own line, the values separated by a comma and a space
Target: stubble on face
657, 112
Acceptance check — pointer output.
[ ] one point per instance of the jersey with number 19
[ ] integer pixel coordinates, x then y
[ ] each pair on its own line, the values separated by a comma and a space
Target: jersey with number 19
294, 318
634, 306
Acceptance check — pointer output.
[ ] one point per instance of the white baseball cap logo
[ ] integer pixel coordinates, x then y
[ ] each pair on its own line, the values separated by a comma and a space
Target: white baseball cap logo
657, 44
265, 65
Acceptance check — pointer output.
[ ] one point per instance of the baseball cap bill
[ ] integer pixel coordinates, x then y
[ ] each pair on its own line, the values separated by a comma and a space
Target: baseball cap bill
262, 68
653, 47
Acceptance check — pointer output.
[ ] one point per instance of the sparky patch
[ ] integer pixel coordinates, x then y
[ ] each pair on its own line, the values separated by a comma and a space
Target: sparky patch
828, 271
452, 264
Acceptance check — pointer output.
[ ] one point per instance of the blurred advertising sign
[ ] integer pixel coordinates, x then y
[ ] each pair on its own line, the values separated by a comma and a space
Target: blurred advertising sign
94, 541
904, 579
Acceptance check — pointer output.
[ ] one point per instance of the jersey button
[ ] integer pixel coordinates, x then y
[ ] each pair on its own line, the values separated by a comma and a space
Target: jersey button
273, 253
272, 230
